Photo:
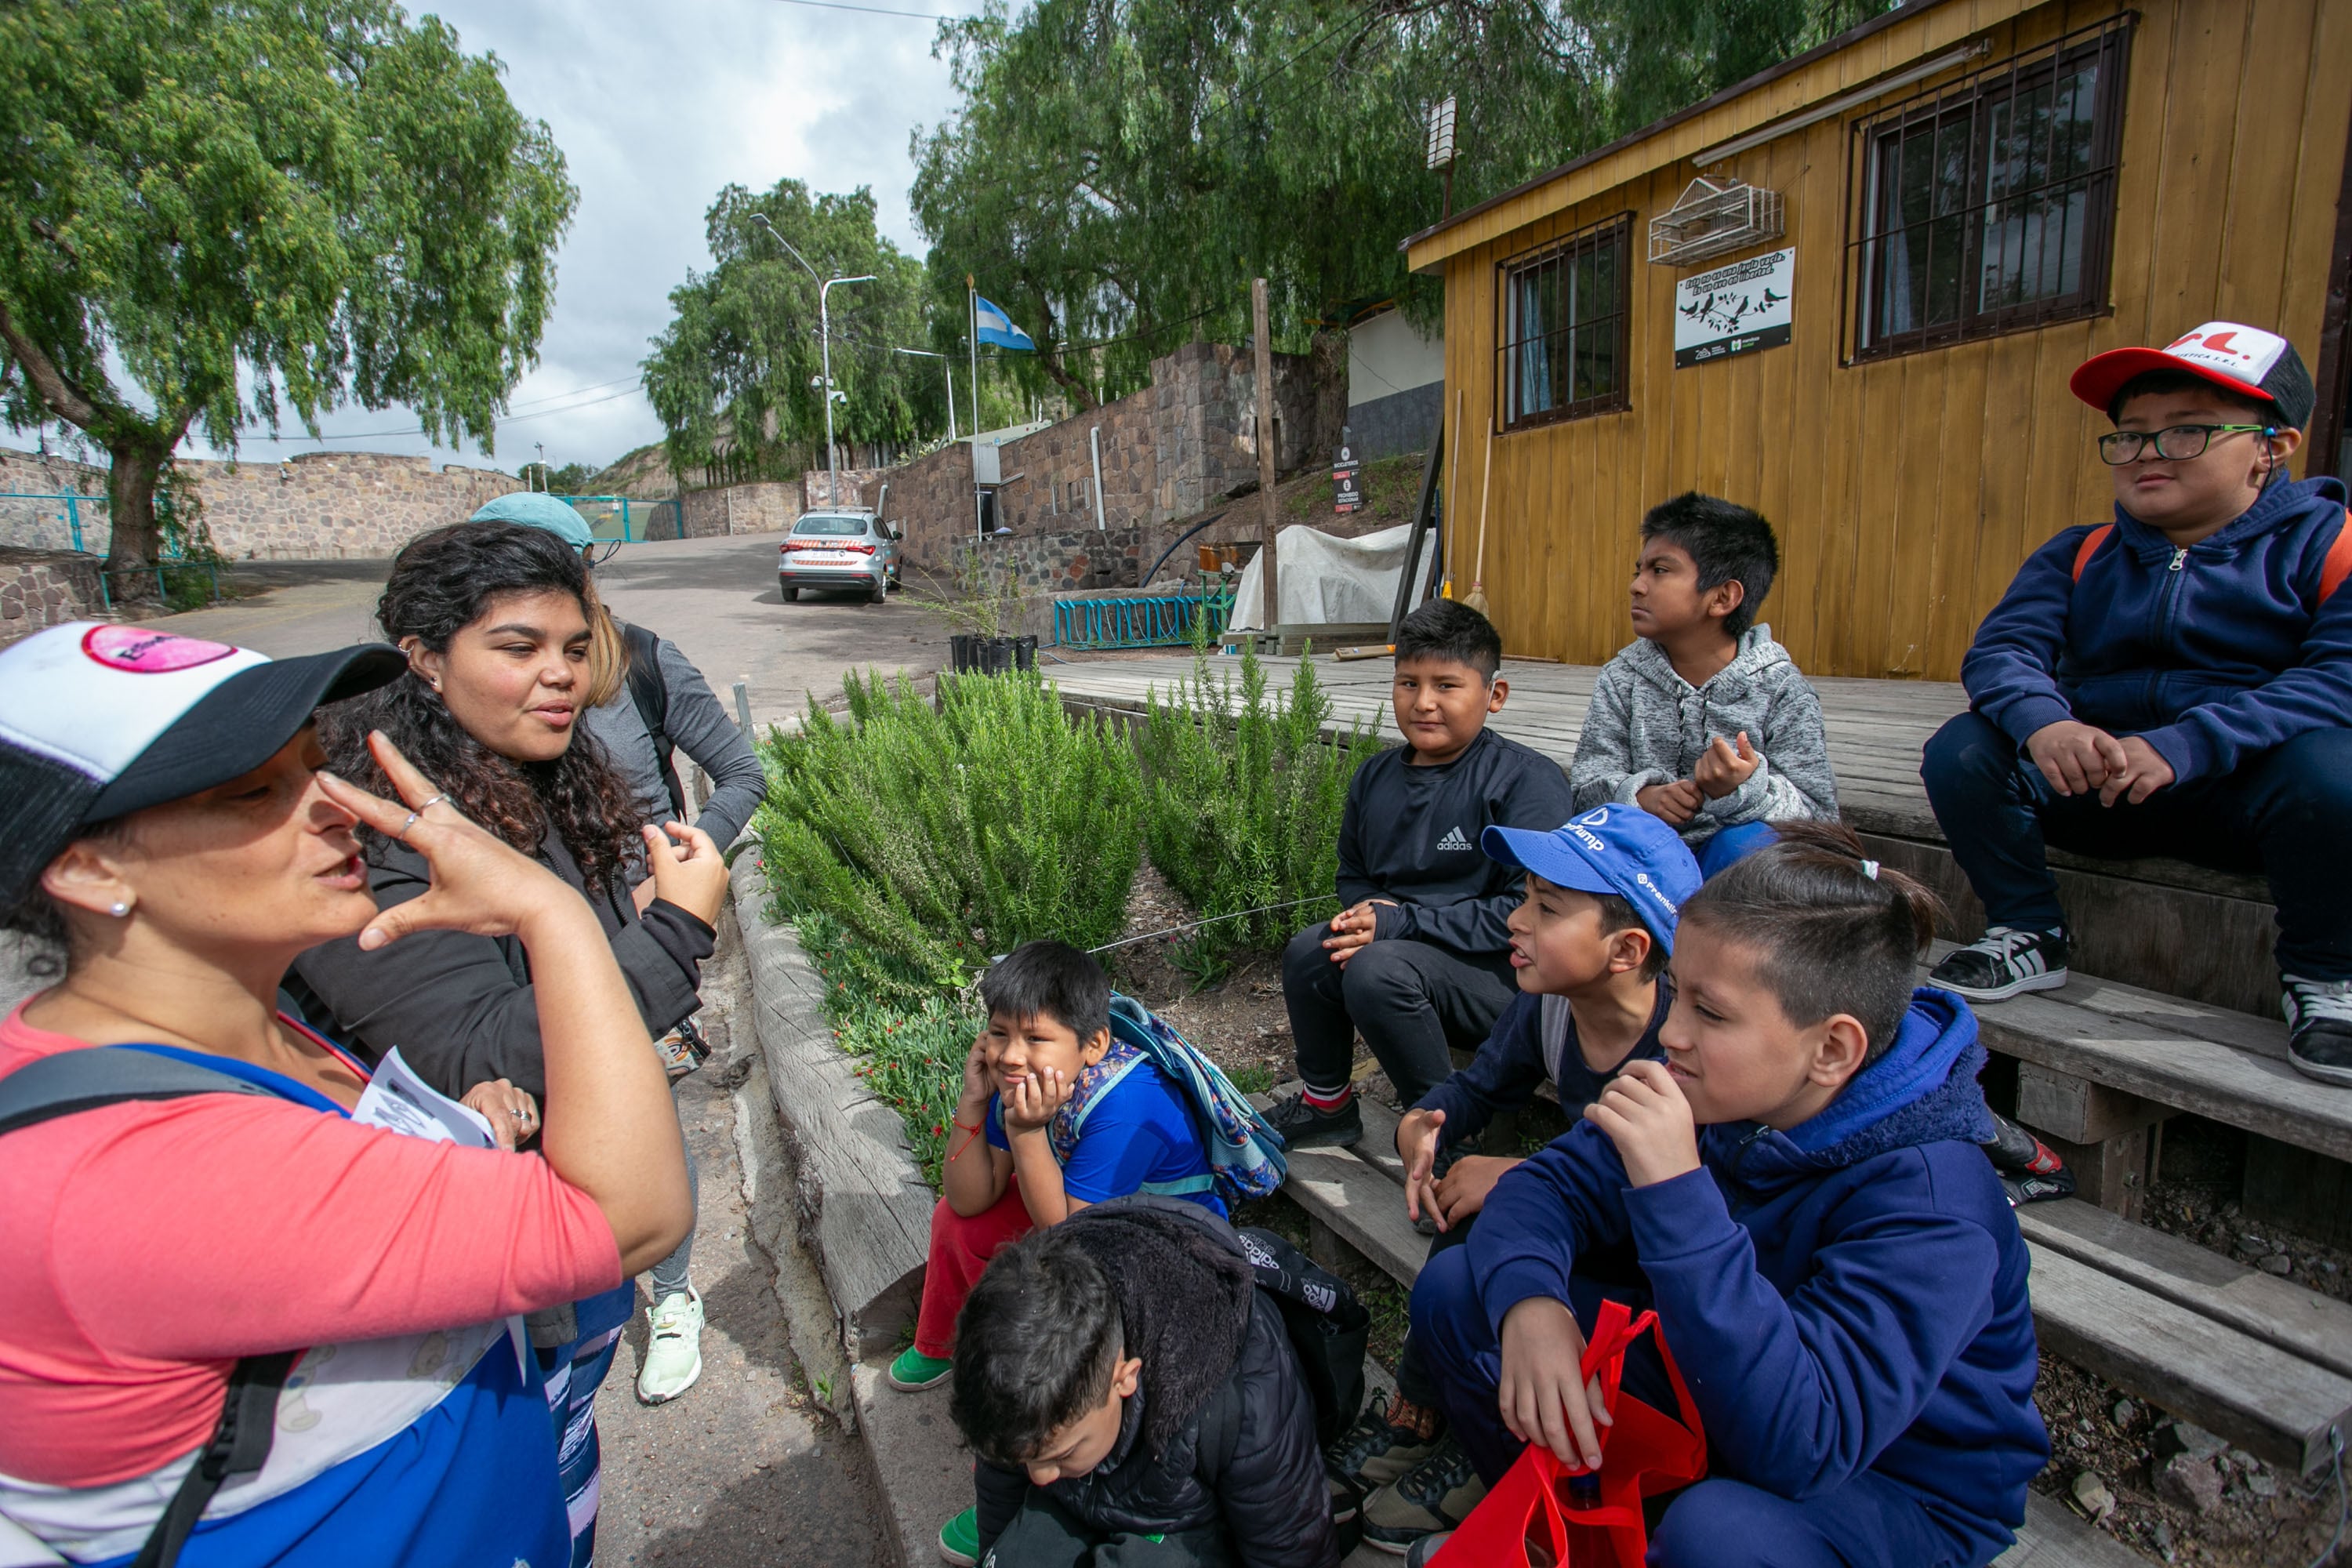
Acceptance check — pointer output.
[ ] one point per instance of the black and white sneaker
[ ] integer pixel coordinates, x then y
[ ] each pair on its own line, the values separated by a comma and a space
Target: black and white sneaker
1304, 1126
2002, 963
2319, 1027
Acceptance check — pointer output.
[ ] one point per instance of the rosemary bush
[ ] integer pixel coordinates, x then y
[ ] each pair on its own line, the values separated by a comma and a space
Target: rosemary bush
1242, 803
909, 1052
939, 835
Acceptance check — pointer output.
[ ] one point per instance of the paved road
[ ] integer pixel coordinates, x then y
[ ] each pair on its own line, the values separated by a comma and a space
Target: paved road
716, 598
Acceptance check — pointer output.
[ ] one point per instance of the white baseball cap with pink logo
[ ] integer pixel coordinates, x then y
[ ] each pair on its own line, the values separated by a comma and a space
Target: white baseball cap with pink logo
2248, 361
98, 721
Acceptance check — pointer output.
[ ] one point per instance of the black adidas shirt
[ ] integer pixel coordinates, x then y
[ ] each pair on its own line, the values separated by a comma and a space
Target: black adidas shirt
1411, 835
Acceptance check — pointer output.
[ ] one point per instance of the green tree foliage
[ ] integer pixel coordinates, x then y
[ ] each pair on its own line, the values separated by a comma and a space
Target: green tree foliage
256, 208
1118, 170
734, 374
1243, 797
938, 836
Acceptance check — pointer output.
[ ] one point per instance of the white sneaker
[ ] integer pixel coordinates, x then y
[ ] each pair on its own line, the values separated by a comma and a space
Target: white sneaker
674, 1348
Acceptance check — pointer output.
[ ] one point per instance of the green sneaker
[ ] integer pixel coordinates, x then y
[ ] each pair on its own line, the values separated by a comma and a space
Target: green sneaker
1435, 1495
914, 1372
959, 1537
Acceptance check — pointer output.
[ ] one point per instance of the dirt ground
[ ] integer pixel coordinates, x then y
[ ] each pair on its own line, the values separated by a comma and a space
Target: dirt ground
2175, 1495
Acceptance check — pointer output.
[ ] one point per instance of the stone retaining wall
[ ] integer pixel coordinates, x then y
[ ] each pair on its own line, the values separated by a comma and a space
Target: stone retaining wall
767, 506
313, 507
41, 588
1168, 451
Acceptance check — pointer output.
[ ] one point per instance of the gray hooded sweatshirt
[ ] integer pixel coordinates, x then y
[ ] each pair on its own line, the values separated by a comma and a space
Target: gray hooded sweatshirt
1647, 725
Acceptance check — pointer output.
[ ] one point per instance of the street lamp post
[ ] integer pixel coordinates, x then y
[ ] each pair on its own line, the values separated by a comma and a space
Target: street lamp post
950, 368
825, 345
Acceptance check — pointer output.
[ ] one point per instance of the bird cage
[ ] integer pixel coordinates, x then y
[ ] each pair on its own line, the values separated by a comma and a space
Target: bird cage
1714, 219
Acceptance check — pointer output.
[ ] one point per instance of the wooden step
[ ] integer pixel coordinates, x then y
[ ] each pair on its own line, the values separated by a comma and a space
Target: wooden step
2055, 1536
2263, 1363
2229, 1067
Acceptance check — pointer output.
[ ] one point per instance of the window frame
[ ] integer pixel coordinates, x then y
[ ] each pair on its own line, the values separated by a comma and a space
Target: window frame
2106, 43
1616, 231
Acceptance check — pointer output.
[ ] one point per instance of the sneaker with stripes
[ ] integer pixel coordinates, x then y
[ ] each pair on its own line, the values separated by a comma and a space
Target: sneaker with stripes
2319, 1027
2002, 963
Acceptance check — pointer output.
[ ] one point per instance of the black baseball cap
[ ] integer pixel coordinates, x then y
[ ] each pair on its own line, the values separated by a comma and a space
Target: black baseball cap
99, 720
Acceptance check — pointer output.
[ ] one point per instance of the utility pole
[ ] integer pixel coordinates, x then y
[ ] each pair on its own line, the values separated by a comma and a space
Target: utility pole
1270, 583
824, 342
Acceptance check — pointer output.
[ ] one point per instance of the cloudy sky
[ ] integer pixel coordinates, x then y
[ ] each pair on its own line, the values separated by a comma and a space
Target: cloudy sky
656, 107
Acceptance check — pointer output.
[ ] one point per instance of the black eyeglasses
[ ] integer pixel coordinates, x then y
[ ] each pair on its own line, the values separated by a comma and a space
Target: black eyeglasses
2177, 442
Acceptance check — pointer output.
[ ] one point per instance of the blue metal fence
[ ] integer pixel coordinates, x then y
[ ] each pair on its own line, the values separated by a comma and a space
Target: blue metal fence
626, 520
1146, 620
36, 521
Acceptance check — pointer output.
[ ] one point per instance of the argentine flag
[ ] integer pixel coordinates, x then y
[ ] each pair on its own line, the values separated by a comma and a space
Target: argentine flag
993, 326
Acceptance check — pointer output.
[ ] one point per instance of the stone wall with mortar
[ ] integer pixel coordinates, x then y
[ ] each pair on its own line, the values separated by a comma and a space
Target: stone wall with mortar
1168, 451
316, 506
42, 587
769, 505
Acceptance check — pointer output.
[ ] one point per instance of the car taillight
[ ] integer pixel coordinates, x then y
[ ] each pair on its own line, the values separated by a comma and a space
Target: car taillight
861, 549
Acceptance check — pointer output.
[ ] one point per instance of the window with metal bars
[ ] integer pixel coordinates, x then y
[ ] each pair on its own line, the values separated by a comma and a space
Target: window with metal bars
1987, 205
1563, 350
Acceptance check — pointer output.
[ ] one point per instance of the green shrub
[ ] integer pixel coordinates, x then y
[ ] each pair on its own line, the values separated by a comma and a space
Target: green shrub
910, 1052
938, 835
1242, 803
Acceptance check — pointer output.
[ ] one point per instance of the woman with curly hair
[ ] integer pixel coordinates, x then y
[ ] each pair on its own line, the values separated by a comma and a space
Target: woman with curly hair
493, 619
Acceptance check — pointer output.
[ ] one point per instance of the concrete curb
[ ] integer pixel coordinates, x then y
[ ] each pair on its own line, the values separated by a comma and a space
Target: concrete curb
864, 1208
836, 1200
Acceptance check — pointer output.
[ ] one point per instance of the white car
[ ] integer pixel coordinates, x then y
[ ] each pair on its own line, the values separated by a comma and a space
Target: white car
853, 550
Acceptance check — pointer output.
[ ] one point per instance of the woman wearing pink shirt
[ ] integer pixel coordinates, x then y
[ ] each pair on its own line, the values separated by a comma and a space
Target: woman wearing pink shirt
189, 1198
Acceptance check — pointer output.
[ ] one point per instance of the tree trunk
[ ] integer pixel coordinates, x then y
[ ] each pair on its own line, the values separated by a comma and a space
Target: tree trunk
1329, 356
135, 545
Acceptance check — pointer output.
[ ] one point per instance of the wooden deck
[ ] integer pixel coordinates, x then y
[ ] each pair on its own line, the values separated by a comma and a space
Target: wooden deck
1875, 727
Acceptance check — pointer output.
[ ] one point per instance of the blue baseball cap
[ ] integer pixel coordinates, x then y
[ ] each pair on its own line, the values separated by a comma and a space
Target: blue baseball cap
1614, 849
536, 508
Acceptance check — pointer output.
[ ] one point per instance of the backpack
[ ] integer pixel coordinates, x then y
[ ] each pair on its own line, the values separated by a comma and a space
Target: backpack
1245, 1158
94, 1076
1329, 1331
2333, 567
649, 692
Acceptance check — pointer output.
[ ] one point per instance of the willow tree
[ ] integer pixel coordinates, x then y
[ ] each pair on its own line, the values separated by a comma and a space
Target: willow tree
1121, 168
735, 375
218, 213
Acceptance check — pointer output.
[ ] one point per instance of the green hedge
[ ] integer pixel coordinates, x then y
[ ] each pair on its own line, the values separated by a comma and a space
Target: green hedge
941, 834
1243, 797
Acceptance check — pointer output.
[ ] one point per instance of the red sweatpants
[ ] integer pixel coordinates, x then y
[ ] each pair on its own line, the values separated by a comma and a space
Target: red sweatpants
961, 1248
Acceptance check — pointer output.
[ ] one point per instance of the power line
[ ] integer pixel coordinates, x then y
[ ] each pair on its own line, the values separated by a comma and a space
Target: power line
881, 11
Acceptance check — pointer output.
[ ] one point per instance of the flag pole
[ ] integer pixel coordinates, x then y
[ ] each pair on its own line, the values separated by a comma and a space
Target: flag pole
971, 305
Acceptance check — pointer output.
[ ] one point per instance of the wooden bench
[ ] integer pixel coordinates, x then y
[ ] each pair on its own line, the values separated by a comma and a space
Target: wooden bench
2263, 1362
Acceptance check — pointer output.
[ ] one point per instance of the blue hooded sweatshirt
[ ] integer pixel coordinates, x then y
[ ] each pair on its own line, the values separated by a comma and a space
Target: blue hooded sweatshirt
1848, 1295
2210, 654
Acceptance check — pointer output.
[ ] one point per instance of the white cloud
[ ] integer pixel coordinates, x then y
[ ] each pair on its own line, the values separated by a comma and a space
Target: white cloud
655, 108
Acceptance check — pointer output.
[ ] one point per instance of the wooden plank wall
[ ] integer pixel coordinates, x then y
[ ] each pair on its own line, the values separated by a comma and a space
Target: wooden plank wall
1907, 490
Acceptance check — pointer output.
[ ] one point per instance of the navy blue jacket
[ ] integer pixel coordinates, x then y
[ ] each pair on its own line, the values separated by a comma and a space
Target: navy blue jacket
1411, 835
1848, 1295
1515, 1059
2209, 655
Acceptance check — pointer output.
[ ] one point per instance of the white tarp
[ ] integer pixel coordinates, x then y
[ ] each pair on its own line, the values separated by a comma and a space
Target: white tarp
1324, 580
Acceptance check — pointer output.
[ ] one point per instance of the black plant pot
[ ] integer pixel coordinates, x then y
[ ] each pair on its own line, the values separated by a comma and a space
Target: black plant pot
1024, 653
959, 652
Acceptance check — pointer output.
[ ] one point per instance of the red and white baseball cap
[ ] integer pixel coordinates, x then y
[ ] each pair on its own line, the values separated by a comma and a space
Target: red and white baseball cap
98, 721
2248, 361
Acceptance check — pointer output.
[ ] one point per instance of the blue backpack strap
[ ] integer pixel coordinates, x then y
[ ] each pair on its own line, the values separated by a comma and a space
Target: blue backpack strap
94, 1076
1098, 1090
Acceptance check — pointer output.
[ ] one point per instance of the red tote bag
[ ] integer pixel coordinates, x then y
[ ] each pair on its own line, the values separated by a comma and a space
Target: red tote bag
1527, 1522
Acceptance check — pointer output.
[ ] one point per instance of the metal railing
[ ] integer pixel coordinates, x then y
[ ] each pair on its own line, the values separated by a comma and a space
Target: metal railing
55, 522
1146, 620
628, 520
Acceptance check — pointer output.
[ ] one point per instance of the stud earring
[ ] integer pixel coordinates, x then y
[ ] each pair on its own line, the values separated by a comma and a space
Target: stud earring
120, 908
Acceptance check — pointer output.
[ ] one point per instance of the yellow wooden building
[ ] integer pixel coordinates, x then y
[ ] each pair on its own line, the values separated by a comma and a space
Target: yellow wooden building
1974, 196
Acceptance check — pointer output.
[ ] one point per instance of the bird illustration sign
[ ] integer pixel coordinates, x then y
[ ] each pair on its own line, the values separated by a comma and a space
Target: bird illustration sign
1735, 309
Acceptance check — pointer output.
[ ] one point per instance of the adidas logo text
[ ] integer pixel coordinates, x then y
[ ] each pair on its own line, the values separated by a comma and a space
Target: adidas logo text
1454, 840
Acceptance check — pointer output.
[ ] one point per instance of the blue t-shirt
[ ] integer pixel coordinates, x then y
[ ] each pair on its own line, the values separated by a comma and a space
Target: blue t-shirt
1140, 1130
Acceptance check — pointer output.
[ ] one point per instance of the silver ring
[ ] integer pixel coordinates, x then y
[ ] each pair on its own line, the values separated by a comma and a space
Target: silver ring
428, 805
403, 833
518, 1113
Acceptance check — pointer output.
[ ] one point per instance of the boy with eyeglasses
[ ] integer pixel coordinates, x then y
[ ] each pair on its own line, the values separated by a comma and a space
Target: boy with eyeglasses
2175, 682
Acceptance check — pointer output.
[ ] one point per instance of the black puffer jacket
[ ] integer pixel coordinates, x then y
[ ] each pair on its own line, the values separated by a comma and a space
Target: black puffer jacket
1222, 1428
